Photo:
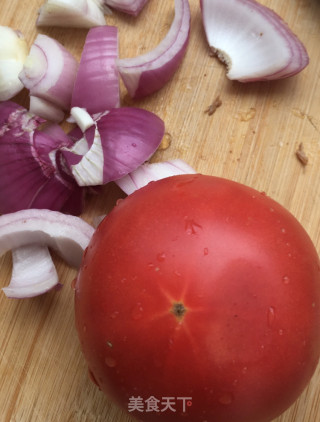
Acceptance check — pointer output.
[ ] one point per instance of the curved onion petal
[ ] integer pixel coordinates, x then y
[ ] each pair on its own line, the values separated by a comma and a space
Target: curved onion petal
96, 86
13, 52
29, 177
147, 173
124, 138
252, 40
133, 7
147, 73
49, 71
45, 109
33, 272
67, 234
71, 13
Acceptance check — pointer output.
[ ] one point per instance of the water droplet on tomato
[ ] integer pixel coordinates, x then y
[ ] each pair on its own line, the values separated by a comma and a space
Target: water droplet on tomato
271, 316
161, 256
205, 251
280, 332
285, 279
283, 230
114, 314
191, 226
244, 369
226, 398
137, 312
84, 328
110, 361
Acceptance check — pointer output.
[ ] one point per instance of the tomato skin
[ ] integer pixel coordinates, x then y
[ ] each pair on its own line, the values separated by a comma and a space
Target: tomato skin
197, 286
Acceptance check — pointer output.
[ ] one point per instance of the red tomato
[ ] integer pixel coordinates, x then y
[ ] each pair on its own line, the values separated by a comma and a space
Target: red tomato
198, 300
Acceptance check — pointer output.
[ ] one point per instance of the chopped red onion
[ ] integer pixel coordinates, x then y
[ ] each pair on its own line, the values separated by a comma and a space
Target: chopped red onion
29, 177
13, 52
72, 13
67, 234
82, 118
123, 139
133, 7
49, 72
45, 109
33, 272
149, 72
252, 40
147, 173
96, 86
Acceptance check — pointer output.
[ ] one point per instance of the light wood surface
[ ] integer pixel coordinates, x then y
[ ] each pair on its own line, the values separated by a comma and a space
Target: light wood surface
251, 138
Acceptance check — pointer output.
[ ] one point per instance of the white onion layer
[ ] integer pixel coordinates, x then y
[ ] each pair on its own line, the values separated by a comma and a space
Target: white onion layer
33, 272
13, 52
67, 234
252, 40
71, 13
147, 173
45, 109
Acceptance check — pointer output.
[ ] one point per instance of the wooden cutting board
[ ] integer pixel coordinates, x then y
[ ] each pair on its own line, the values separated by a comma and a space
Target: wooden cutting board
252, 138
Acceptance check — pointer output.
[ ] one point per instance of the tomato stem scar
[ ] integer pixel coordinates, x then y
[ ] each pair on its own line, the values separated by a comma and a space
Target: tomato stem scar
178, 309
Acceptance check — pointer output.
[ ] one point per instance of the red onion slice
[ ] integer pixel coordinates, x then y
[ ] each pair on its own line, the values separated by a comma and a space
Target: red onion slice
29, 177
147, 173
49, 71
124, 138
146, 74
45, 109
71, 13
68, 235
96, 86
133, 7
33, 272
252, 40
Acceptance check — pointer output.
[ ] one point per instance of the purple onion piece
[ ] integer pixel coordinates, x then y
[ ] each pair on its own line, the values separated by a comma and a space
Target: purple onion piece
49, 72
96, 86
124, 139
145, 74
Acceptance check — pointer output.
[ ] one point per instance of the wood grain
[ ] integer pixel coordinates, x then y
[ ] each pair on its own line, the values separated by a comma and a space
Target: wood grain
251, 138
